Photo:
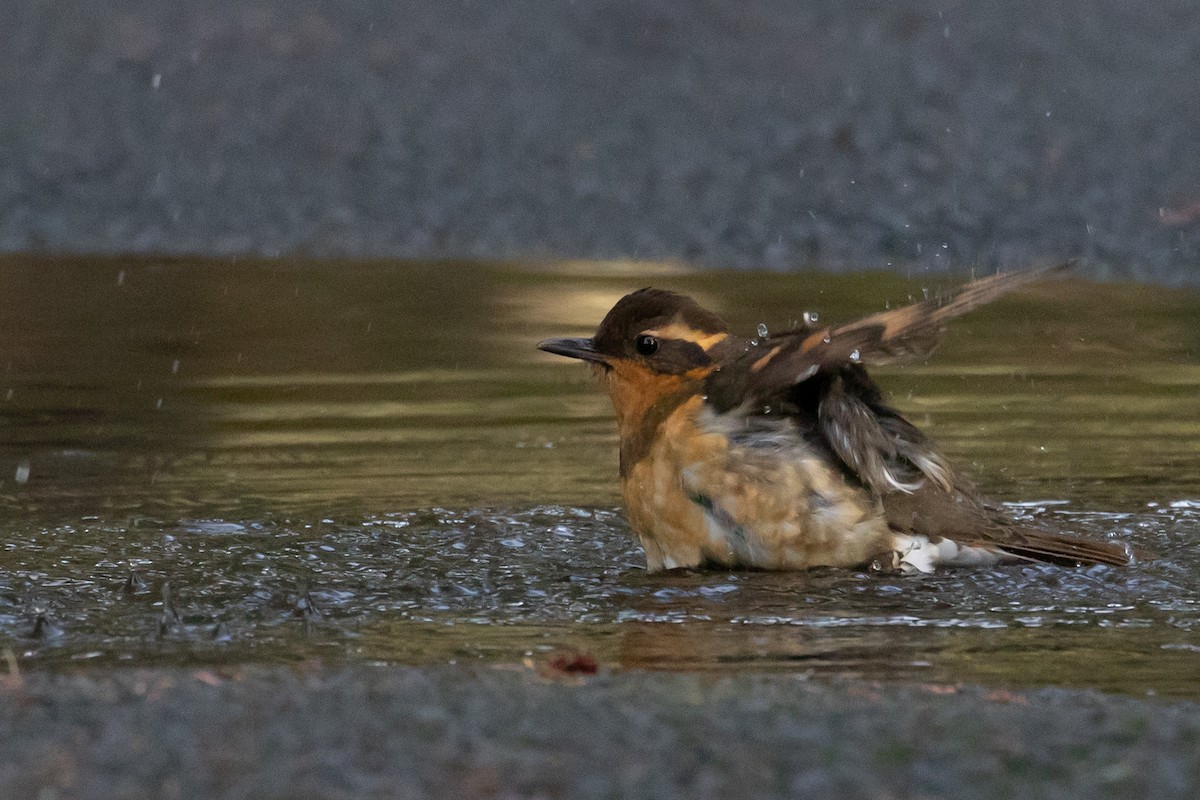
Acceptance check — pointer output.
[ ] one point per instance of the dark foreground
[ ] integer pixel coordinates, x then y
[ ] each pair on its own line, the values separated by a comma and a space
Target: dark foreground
464, 733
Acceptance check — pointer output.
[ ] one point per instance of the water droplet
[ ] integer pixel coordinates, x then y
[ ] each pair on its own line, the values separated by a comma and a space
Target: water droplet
811, 317
766, 409
762, 330
855, 356
826, 339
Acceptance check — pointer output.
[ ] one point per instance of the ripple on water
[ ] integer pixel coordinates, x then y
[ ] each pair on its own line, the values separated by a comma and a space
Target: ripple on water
402, 586
202, 463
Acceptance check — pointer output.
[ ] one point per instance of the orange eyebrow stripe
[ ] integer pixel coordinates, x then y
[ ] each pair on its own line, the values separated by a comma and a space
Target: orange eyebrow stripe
685, 333
699, 373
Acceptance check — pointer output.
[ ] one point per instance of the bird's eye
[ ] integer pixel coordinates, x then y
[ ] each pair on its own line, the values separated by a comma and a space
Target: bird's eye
646, 345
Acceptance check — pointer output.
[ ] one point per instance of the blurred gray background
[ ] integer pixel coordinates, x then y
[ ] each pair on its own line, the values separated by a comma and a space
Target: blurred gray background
924, 135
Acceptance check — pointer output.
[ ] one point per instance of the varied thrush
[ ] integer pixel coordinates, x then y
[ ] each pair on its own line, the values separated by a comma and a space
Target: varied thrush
780, 452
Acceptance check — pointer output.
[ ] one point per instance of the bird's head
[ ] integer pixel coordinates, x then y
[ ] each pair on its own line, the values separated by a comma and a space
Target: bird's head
652, 345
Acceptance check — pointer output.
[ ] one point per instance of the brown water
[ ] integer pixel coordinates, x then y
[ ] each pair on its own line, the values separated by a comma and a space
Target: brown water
371, 461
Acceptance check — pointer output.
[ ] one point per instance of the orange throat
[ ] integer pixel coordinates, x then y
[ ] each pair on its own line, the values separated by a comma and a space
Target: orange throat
643, 400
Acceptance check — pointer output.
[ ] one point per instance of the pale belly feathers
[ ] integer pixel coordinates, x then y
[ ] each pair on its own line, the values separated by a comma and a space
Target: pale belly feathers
709, 491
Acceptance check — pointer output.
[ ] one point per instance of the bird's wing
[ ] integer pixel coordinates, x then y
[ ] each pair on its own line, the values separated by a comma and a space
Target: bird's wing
913, 331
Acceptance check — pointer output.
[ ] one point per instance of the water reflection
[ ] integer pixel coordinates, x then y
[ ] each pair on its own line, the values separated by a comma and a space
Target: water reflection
371, 461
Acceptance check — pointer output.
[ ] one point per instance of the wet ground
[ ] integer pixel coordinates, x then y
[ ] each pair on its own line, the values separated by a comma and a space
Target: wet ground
751, 134
262, 475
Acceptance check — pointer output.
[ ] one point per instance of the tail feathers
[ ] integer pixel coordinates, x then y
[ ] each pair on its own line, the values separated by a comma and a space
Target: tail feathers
918, 553
1056, 548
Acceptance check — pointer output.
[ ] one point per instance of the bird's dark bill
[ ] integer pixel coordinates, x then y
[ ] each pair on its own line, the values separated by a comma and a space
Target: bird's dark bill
573, 348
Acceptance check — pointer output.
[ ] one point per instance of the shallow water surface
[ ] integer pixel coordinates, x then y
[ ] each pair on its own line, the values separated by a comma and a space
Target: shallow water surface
207, 462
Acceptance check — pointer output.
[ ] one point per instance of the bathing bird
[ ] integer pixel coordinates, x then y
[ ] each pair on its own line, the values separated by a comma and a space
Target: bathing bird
780, 452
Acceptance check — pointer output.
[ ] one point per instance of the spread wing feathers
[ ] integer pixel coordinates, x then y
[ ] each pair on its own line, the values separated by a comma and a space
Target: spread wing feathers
960, 516
888, 336
882, 449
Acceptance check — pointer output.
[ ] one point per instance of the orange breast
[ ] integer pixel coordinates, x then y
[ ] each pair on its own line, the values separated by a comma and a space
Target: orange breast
705, 491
